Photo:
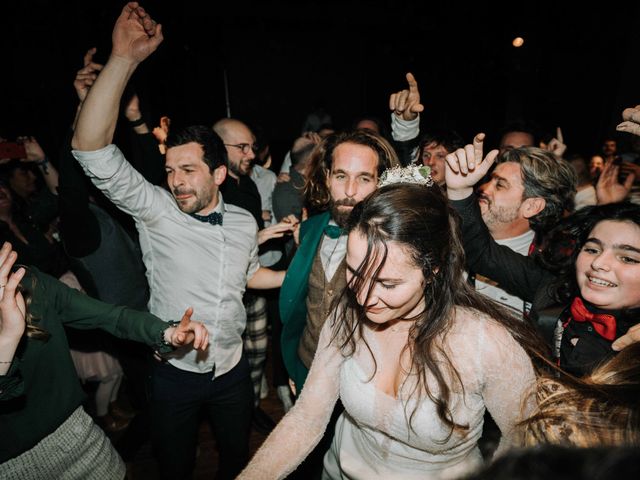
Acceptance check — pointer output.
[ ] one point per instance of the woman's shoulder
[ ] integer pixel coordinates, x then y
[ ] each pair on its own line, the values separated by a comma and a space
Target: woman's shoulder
472, 326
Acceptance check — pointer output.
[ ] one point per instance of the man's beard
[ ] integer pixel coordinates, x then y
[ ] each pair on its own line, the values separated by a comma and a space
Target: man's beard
341, 216
236, 170
199, 204
494, 215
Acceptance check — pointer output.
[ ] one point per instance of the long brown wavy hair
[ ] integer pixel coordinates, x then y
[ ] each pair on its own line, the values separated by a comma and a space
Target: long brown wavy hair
420, 219
316, 190
601, 409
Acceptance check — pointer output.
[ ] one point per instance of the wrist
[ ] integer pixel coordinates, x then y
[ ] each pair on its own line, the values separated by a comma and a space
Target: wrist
41, 163
167, 335
459, 193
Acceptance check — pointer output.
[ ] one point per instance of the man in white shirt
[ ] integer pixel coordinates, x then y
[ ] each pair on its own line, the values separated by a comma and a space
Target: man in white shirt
198, 252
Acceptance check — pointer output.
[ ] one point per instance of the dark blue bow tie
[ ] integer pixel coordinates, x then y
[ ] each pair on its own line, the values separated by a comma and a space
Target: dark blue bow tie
214, 218
332, 231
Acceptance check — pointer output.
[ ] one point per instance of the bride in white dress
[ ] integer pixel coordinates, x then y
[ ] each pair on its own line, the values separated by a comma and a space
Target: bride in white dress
413, 353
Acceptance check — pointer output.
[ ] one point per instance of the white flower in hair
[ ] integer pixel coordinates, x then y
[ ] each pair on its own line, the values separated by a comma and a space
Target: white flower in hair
410, 174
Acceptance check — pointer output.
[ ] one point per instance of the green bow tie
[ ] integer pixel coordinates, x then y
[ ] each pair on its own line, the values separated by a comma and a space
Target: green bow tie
332, 231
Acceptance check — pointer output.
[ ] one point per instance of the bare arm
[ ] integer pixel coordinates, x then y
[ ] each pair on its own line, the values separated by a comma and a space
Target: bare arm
265, 279
135, 36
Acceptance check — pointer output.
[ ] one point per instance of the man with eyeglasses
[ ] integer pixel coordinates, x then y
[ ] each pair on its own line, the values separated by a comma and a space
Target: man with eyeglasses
240, 189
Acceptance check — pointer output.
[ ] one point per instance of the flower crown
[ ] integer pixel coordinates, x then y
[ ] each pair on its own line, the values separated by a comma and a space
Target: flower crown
410, 174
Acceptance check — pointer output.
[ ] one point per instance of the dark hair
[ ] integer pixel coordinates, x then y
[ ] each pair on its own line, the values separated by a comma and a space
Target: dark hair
544, 176
521, 126
214, 151
27, 286
420, 219
316, 191
563, 244
552, 462
300, 155
382, 129
449, 139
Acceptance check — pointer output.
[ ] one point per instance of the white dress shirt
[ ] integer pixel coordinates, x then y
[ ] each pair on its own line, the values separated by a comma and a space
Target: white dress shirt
189, 263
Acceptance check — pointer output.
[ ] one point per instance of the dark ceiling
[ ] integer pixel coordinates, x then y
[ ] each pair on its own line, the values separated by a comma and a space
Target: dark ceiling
577, 68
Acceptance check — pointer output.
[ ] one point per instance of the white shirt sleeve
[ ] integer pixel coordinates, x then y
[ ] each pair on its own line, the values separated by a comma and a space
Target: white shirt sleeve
403, 130
110, 172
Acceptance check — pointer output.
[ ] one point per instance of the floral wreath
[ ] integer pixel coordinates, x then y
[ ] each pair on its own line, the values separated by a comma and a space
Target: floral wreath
410, 174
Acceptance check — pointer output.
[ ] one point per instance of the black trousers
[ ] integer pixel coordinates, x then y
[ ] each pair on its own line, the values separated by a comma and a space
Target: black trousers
177, 399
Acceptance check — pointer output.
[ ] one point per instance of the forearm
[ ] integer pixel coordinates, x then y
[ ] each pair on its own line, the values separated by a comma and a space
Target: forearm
50, 175
99, 113
8, 348
265, 279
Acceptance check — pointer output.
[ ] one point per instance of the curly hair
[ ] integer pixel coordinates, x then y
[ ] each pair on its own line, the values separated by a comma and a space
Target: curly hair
563, 243
316, 189
544, 176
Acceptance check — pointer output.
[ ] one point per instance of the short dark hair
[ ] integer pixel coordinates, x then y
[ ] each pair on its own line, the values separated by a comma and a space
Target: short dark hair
449, 139
214, 151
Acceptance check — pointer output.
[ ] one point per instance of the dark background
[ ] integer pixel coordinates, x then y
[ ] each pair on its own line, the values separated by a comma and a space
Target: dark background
579, 66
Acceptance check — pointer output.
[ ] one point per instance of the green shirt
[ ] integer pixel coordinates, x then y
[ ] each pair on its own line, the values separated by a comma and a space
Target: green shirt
41, 389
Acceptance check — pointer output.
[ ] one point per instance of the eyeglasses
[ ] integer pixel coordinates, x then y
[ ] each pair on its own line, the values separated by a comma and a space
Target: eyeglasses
244, 147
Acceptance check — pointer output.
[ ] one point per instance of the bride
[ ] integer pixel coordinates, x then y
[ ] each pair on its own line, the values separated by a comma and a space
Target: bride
413, 353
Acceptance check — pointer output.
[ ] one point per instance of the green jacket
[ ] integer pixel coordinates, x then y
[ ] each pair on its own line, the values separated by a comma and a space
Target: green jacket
293, 296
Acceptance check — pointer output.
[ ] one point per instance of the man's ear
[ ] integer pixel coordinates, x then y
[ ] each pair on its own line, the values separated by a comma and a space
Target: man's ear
219, 174
533, 206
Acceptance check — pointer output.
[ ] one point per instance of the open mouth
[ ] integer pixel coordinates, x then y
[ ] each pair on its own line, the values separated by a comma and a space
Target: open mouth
600, 282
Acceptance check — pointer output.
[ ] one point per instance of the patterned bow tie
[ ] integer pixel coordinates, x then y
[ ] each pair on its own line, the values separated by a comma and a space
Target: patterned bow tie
214, 218
602, 323
332, 231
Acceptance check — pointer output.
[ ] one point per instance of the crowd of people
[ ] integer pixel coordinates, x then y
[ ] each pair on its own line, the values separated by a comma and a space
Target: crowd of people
424, 296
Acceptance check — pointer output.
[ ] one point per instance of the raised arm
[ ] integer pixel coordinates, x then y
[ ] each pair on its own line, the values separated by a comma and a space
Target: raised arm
135, 36
405, 122
36, 156
518, 274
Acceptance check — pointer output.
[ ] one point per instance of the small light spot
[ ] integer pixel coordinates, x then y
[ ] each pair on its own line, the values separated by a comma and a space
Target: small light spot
517, 42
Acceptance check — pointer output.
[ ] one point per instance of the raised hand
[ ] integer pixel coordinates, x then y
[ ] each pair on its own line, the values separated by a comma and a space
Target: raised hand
465, 167
86, 75
33, 150
556, 145
278, 230
609, 189
188, 331
631, 123
12, 306
135, 35
406, 103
